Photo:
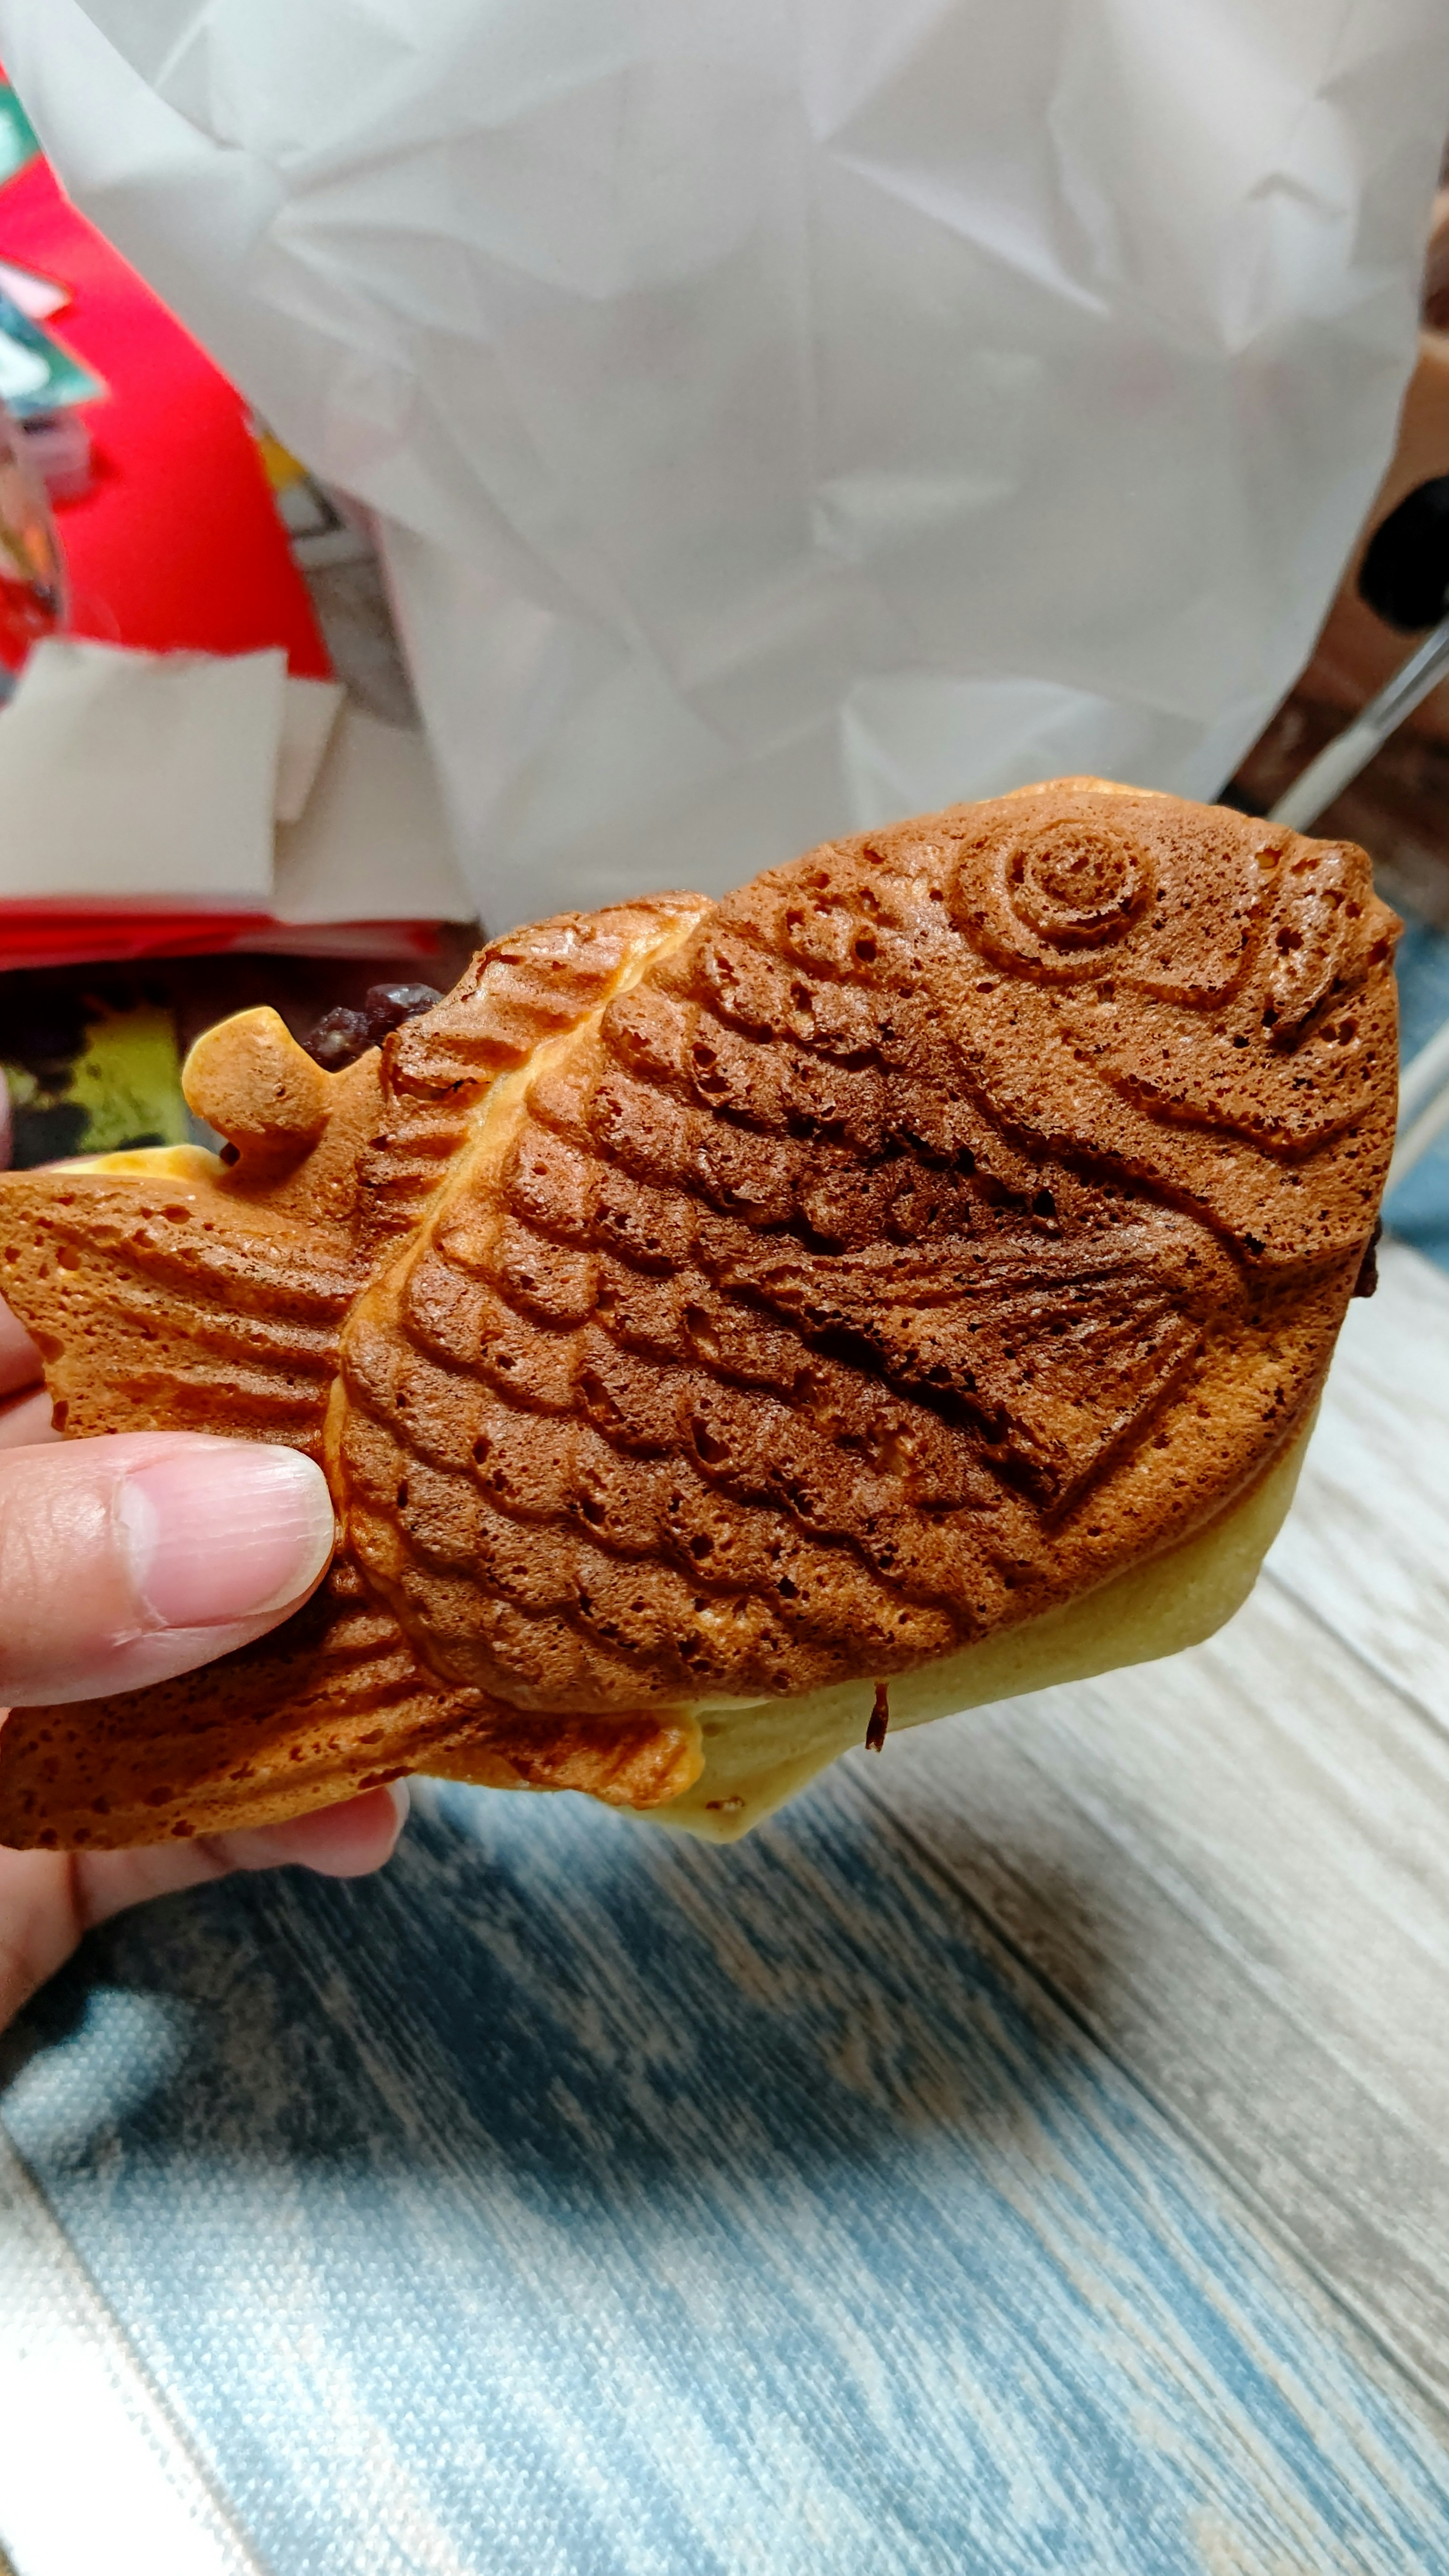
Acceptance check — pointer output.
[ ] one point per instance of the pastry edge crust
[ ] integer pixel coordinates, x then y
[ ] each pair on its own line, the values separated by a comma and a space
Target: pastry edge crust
1143, 1615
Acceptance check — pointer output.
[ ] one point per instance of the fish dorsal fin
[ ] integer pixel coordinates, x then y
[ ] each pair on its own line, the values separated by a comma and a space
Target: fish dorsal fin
519, 992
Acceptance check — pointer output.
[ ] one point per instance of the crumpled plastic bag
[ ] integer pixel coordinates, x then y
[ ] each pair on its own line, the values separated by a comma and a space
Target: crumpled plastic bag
786, 414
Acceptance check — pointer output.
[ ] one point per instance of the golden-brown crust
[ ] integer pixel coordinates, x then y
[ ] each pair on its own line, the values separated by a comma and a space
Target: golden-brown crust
717, 1301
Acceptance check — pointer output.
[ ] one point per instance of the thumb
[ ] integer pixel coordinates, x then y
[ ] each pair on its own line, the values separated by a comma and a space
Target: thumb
129, 1558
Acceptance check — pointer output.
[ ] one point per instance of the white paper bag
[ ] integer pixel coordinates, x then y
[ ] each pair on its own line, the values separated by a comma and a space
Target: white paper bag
789, 413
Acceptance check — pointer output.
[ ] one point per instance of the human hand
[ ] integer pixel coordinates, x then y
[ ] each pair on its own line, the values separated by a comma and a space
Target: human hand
123, 1560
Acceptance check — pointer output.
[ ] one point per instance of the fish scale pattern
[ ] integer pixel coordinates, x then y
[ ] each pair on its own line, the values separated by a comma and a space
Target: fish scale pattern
754, 1348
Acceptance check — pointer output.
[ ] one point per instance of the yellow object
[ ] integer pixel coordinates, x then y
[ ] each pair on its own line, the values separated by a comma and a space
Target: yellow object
278, 463
128, 1080
124, 1086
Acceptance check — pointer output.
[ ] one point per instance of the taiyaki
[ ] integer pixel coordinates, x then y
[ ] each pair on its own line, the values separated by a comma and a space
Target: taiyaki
729, 1327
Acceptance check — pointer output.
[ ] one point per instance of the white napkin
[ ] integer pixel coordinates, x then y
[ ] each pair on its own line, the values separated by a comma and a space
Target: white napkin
140, 778
309, 712
372, 843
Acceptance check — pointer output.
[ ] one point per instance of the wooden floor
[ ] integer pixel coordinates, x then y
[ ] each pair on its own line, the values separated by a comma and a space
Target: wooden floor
1030, 2153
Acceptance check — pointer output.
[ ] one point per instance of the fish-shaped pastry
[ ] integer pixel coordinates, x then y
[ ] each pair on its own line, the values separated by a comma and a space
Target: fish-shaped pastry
912, 1275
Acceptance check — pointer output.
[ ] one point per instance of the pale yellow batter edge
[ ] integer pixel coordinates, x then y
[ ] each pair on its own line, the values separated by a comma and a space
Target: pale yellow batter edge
758, 1756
